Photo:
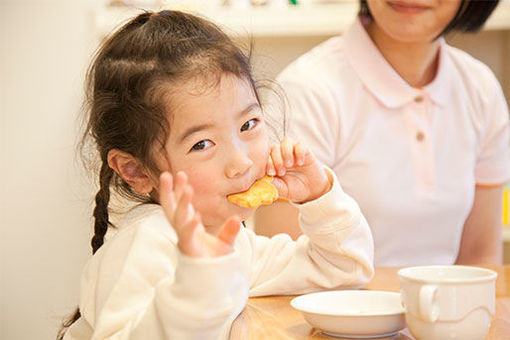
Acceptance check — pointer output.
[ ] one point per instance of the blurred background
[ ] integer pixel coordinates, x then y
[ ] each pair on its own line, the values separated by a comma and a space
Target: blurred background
46, 201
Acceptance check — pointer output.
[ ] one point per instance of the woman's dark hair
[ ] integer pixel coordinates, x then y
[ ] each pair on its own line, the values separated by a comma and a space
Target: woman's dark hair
128, 87
470, 17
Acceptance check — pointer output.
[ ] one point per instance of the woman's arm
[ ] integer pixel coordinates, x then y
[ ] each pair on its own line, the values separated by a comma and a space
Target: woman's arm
481, 239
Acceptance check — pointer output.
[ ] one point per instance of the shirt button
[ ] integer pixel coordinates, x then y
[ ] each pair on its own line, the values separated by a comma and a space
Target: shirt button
420, 136
418, 99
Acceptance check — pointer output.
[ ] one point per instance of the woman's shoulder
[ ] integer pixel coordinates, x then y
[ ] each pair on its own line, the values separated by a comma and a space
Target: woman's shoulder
324, 59
476, 88
472, 70
322, 72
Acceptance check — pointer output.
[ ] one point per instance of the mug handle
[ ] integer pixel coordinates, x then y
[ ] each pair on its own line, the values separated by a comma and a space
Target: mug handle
427, 308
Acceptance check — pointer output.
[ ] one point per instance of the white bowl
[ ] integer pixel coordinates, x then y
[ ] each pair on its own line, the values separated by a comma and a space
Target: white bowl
353, 313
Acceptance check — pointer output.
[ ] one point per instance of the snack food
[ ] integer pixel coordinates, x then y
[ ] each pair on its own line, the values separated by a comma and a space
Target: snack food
261, 192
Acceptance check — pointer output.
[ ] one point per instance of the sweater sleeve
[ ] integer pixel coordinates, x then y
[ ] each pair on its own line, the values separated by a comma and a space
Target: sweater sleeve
336, 250
141, 287
201, 303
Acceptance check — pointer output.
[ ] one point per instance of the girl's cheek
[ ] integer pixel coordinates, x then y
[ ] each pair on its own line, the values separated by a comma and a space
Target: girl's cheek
202, 181
263, 145
264, 152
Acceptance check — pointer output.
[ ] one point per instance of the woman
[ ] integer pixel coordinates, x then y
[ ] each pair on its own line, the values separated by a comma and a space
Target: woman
416, 130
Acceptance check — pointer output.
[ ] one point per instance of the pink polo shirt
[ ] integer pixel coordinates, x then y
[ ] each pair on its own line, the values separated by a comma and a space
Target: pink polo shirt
410, 157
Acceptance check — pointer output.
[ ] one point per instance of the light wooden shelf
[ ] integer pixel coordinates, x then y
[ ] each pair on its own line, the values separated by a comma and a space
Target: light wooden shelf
306, 20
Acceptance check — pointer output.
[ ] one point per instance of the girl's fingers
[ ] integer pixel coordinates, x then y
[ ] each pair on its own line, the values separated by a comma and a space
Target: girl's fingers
166, 196
285, 156
186, 238
181, 180
270, 170
166, 184
277, 160
287, 152
183, 211
299, 154
229, 230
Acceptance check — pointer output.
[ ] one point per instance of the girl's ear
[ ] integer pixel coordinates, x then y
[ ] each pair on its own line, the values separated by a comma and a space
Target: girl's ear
131, 170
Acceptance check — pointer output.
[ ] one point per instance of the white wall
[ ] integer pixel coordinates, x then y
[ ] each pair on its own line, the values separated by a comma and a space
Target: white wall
45, 200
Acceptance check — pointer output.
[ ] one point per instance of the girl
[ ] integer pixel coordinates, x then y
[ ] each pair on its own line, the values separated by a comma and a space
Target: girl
416, 130
175, 115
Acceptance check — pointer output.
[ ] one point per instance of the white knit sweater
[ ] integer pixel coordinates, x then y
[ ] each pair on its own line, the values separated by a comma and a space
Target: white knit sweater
139, 286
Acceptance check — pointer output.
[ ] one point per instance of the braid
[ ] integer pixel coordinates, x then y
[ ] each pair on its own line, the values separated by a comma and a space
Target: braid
101, 210
100, 227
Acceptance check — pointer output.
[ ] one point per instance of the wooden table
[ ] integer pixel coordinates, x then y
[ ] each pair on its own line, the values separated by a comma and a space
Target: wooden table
273, 317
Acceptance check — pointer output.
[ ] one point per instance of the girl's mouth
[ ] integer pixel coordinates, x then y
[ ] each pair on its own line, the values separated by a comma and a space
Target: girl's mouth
242, 189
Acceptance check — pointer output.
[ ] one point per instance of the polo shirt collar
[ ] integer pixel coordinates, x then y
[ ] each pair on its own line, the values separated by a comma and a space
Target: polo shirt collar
382, 80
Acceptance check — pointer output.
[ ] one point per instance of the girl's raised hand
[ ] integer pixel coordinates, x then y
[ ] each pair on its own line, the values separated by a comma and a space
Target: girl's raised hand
299, 177
193, 240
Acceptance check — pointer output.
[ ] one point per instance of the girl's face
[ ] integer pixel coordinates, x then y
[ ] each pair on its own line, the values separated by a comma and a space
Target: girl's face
219, 138
412, 21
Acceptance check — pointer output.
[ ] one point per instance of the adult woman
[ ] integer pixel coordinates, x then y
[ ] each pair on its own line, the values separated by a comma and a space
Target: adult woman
416, 130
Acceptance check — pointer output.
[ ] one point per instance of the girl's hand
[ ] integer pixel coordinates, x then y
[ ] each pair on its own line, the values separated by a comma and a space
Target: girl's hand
193, 240
299, 177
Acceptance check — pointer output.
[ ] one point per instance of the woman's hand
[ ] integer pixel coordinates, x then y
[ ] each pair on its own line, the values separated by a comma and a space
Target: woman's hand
299, 177
193, 240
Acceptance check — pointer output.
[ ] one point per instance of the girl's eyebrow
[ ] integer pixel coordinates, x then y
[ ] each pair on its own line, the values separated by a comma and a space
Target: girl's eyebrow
248, 109
192, 129
195, 128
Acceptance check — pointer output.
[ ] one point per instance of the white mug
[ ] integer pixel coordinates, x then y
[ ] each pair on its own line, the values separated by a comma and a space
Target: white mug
448, 302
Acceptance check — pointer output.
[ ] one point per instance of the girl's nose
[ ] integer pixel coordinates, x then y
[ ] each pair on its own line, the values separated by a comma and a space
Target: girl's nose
238, 162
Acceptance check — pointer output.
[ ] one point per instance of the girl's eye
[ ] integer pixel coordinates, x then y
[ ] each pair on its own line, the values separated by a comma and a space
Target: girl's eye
202, 145
249, 125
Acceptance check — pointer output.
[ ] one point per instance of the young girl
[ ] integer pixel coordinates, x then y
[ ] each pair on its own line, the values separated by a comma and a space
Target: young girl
416, 130
178, 126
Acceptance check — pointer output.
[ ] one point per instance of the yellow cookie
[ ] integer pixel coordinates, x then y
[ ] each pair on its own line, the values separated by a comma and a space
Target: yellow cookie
261, 192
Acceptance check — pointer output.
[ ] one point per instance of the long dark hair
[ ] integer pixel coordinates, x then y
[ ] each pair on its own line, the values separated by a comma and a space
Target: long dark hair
126, 82
470, 17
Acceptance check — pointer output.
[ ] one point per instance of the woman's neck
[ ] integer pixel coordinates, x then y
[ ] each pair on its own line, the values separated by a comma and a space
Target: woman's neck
416, 63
